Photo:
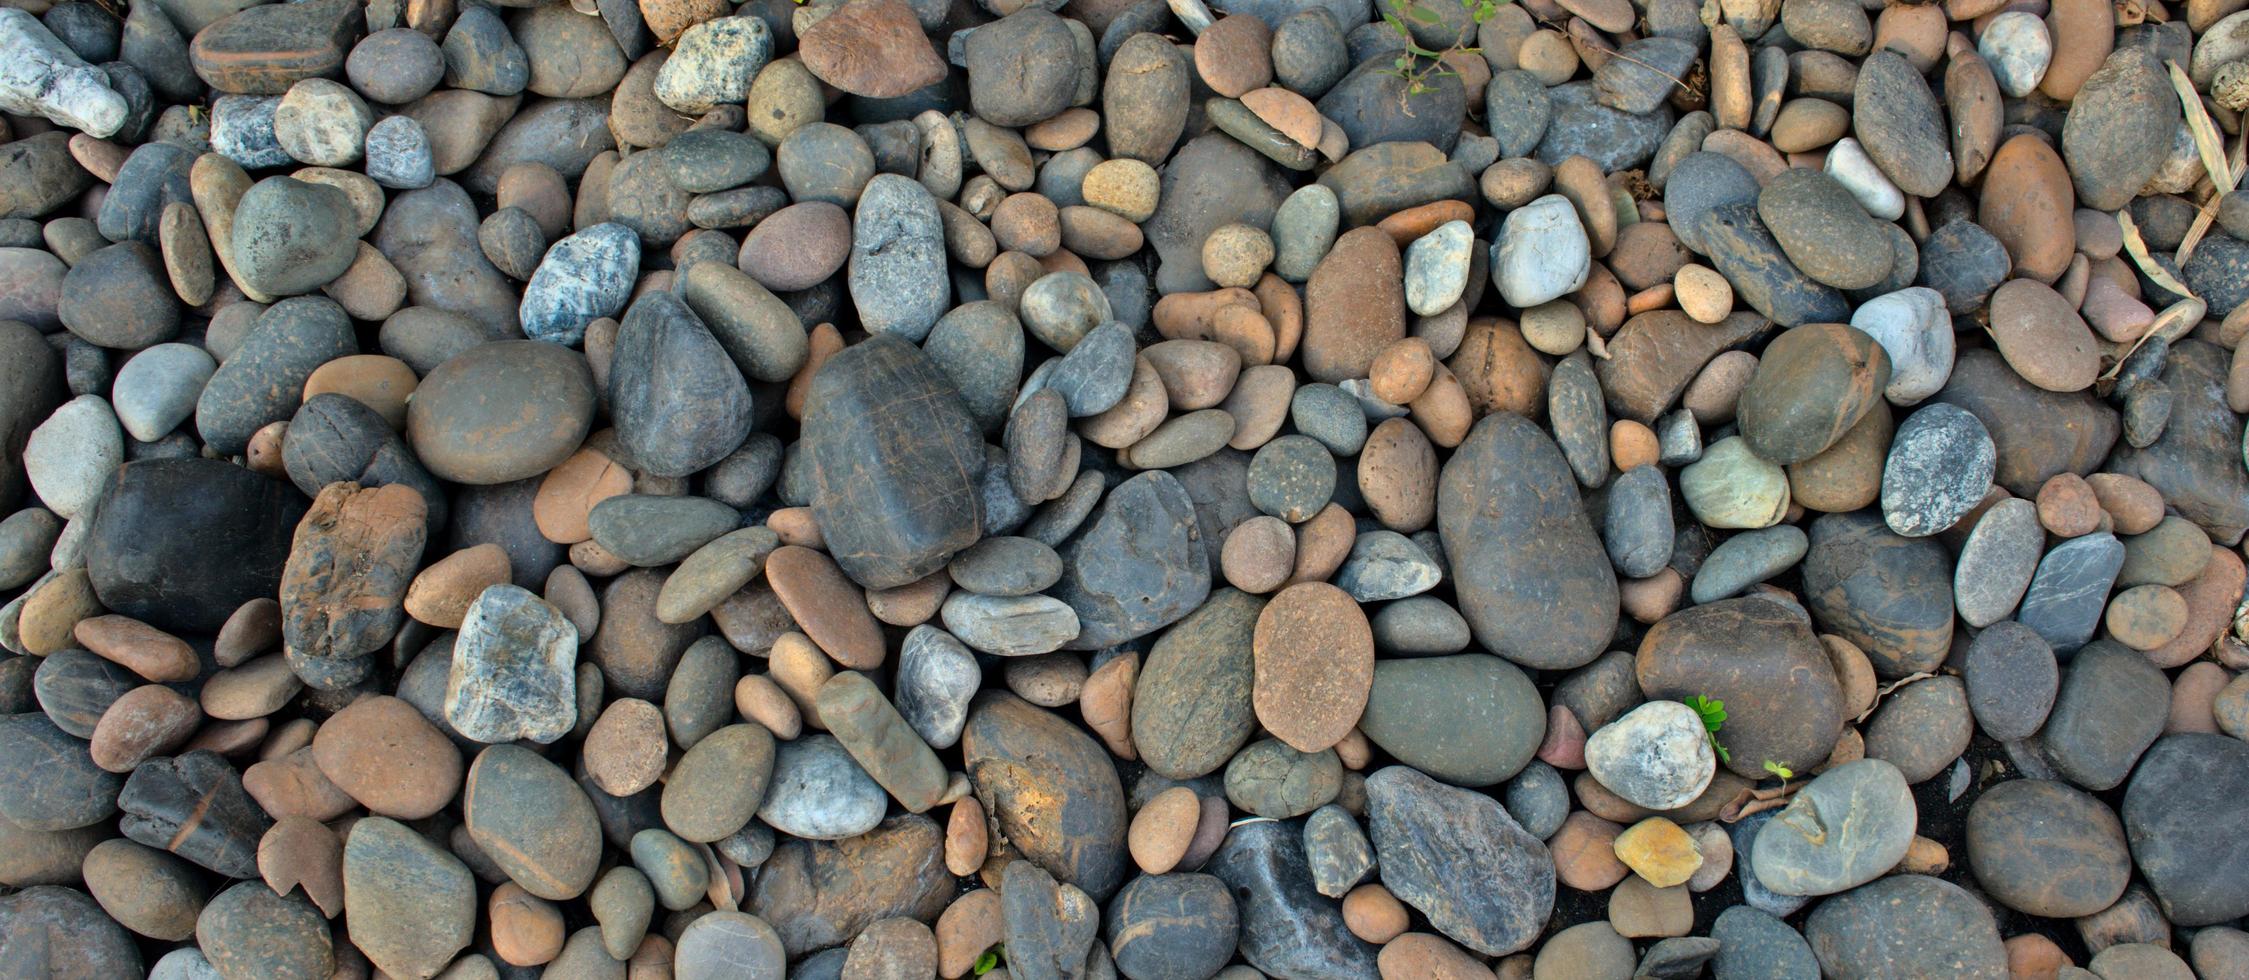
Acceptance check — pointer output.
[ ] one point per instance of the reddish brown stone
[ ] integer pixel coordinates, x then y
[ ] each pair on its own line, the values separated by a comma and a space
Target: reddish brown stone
1315, 664
873, 48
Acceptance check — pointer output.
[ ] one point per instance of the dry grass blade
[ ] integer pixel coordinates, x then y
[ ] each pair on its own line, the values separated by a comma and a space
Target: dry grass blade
2207, 142
2204, 217
2137, 248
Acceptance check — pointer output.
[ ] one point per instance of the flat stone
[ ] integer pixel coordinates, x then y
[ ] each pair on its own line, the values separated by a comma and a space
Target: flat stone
1427, 837
412, 904
2012, 680
1471, 719
1137, 565
1507, 504
2070, 590
1191, 706
896, 491
193, 805
1908, 923
533, 821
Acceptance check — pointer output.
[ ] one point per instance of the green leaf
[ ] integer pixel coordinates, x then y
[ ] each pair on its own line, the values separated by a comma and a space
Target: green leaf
1404, 62
988, 962
1780, 770
1723, 755
1425, 15
1395, 24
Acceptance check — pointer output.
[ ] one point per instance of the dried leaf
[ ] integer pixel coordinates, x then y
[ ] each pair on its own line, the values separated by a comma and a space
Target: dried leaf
2137, 248
2207, 142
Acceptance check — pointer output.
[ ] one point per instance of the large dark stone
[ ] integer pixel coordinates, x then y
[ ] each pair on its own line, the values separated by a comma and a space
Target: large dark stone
1137, 567
2197, 463
1461, 860
2037, 433
1212, 181
895, 463
1584, 127
1758, 656
679, 402
1289, 929
52, 781
1051, 790
1889, 595
180, 543
2185, 821
194, 806
1533, 579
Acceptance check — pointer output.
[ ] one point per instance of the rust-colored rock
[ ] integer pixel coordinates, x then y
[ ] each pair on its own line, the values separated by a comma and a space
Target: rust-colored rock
873, 48
1314, 655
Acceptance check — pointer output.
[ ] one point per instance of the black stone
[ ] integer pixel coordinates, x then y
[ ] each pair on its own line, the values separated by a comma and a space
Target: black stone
896, 463
1173, 925
1889, 595
52, 781
679, 402
2112, 705
181, 543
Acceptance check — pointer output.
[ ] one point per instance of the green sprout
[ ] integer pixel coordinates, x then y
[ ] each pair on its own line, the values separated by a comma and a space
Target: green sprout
1781, 770
991, 959
1713, 712
1417, 64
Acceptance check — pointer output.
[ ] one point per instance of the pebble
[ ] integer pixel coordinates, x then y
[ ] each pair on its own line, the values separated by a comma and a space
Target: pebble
1542, 253
1656, 756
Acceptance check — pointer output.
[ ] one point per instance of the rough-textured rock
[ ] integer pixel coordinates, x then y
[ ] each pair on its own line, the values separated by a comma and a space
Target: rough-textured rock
1460, 859
1051, 789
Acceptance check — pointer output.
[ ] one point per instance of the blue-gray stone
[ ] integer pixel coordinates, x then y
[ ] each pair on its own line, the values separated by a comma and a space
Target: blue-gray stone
1939, 468
1747, 559
1456, 856
1754, 891
1614, 140
1330, 415
1094, 376
583, 278
1538, 799
936, 678
2112, 705
1288, 929
1386, 565
896, 273
398, 154
1519, 110
1336, 850
1965, 263
1754, 945
242, 130
2070, 590
2012, 679
1137, 567
2184, 818
1638, 527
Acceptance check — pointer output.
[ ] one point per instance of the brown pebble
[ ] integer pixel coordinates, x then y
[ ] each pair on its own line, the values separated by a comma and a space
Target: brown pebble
568, 493
145, 650
2068, 507
1402, 371
1259, 554
1162, 829
829, 607
383, 753
761, 700
442, 593
526, 930
1373, 914
1105, 701
911, 604
966, 838
147, 721
624, 752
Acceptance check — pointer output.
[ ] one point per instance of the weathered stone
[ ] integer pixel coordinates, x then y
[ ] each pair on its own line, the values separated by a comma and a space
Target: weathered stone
1533, 579
895, 490
1461, 860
